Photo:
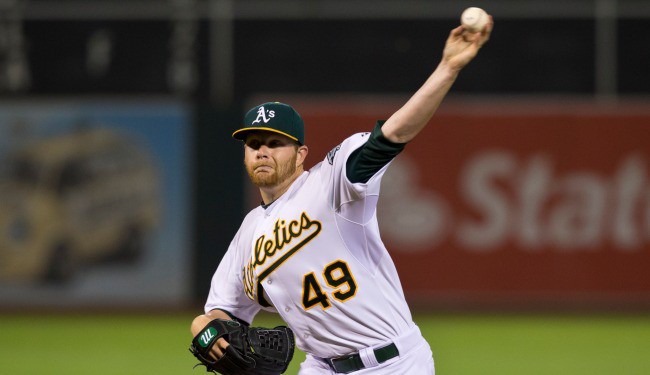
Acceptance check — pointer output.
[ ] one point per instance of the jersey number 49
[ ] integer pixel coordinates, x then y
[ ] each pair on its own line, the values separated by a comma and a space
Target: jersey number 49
338, 276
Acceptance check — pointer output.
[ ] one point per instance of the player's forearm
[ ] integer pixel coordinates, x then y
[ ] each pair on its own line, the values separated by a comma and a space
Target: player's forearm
409, 120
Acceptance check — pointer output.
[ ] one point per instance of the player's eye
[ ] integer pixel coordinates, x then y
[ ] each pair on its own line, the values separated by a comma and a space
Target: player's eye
254, 144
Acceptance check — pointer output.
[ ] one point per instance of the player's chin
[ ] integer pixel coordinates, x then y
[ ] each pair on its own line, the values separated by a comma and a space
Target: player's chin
264, 173
264, 179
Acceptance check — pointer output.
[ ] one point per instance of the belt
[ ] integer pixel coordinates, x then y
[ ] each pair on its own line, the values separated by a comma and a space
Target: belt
352, 362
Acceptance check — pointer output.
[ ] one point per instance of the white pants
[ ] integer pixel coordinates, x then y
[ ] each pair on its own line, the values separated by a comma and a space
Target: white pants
415, 358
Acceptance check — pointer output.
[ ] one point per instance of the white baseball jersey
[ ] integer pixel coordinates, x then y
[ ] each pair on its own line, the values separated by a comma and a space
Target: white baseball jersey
317, 254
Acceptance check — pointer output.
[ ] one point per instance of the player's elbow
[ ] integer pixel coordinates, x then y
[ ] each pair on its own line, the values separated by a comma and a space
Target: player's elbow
398, 137
396, 130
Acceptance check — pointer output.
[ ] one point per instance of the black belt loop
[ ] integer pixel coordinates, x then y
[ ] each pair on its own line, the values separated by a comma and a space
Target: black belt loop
353, 362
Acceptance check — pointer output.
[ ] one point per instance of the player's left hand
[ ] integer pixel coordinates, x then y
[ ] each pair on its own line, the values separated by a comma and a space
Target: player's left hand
250, 351
463, 45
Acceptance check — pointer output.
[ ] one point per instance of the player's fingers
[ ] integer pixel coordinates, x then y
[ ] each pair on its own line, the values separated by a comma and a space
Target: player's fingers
216, 353
487, 30
478, 43
471, 37
484, 35
219, 348
456, 32
490, 24
222, 344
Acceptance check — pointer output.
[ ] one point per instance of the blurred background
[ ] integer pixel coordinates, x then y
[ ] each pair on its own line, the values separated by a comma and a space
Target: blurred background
519, 220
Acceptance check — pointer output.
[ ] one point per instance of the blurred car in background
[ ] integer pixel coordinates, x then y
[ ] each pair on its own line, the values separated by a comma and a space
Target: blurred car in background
76, 199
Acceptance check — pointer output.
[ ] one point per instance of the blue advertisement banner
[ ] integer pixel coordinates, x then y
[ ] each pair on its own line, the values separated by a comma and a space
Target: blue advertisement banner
95, 200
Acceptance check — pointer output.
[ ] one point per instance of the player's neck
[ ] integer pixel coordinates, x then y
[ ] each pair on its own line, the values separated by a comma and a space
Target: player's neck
271, 193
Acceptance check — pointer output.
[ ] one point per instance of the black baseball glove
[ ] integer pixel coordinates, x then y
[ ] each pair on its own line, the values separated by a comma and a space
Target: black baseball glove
252, 351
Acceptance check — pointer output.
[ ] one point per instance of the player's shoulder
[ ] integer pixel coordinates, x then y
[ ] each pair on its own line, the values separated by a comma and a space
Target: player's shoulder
358, 138
253, 215
248, 224
348, 145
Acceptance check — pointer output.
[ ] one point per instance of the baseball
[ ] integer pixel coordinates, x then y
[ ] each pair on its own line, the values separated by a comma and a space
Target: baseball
474, 19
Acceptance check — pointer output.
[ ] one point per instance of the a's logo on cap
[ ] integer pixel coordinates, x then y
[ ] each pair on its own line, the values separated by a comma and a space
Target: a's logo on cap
262, 115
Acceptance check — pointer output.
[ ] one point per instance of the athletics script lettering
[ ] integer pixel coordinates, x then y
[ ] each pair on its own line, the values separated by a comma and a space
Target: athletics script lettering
271, 248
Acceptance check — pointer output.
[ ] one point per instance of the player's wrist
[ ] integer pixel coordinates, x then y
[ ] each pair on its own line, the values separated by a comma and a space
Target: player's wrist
447, 70
444, 76
198, 324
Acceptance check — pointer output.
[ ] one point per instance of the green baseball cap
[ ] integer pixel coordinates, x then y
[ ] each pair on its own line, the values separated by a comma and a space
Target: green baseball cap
274, 117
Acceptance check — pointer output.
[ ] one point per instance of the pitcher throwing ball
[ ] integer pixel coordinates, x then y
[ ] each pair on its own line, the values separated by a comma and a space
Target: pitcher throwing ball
312, 250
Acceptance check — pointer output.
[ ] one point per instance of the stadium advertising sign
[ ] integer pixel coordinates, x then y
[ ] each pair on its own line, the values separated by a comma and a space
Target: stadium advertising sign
94, 201
546, 204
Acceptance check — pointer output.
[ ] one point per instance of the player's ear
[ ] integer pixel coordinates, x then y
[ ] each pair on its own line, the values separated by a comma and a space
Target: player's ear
301, 152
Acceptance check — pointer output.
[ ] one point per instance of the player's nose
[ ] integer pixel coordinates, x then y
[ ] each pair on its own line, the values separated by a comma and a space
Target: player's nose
262, 152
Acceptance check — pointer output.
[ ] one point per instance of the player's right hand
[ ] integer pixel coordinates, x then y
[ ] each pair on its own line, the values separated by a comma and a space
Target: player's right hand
463, 45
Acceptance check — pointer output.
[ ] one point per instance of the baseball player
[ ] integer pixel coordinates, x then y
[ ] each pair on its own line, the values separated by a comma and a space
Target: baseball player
312, 250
